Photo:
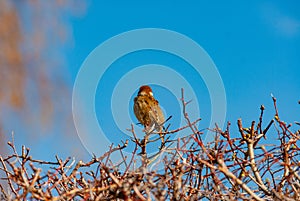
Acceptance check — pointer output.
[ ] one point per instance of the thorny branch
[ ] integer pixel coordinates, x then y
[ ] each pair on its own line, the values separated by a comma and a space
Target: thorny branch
245, 167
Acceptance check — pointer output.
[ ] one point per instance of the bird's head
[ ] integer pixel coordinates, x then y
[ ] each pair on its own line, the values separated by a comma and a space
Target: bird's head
145, 91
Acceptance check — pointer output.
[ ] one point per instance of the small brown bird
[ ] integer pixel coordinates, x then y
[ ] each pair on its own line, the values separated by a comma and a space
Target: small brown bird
147, 110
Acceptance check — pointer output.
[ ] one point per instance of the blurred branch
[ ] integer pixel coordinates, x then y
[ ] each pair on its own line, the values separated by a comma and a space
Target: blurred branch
34, 79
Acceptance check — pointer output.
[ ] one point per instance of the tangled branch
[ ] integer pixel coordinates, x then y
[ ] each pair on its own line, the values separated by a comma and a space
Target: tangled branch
245, 167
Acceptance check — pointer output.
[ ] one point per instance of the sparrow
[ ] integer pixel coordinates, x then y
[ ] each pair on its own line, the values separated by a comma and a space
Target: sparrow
148, 111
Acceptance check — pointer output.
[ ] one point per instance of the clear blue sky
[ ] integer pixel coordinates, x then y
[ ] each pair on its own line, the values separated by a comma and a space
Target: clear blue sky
255, 47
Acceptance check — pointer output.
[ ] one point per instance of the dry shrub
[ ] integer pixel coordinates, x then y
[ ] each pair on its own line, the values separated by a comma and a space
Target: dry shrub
241, 168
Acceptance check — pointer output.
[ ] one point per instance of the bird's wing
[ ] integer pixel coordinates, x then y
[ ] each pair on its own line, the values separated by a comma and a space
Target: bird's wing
156, 115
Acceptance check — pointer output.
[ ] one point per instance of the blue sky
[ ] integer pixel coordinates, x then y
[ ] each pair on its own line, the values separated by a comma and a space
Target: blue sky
255, 47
